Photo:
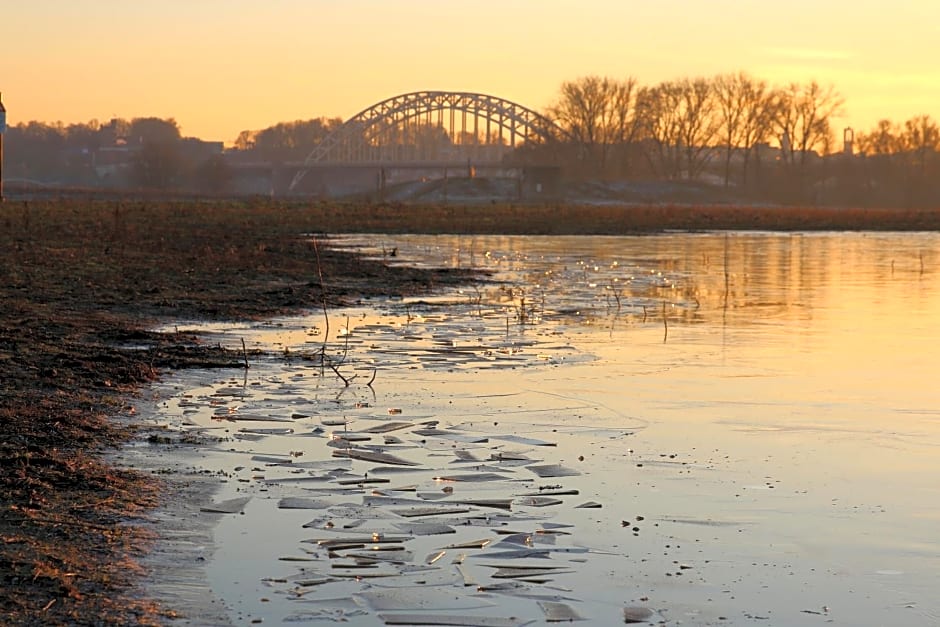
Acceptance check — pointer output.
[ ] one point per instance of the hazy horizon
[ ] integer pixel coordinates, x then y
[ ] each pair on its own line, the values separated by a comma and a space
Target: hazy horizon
222, 67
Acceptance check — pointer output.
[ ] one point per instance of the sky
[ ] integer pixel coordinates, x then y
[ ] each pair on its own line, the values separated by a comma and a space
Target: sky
222, 66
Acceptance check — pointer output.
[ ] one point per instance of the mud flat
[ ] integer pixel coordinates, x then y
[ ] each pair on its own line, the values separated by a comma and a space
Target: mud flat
82, 285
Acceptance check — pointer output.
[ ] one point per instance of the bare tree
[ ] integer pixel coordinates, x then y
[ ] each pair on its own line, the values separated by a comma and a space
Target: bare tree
699, 123
803, 122
901, 162
745, 108
884, 139
882, 162
245, 140
921, 139
804, 115
679, 122
598, 113
658, 109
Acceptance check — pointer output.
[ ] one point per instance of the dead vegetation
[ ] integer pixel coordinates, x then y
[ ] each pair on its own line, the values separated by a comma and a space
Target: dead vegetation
601, 219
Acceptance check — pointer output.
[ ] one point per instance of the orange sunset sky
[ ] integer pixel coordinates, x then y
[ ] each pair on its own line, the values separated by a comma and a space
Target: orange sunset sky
222, 66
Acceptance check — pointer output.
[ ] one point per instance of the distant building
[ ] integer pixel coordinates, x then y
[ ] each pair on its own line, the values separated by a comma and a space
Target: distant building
195, 150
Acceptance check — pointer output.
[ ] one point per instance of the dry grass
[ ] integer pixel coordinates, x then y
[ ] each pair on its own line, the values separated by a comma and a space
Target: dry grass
563, 219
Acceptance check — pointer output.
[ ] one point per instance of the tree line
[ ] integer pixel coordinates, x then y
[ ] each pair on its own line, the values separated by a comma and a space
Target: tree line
286, 141
773, 142
680, 128
144, 152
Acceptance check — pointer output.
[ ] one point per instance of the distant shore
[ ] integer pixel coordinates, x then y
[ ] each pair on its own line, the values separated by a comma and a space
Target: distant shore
527, 218
611, 219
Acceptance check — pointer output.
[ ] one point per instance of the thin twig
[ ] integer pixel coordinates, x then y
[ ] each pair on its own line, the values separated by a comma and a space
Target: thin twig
245, 353
346, 345
665, 324
375, 372
345, 380
727, 277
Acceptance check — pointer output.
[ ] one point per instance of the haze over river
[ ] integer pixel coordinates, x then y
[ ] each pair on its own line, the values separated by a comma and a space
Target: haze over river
705, 429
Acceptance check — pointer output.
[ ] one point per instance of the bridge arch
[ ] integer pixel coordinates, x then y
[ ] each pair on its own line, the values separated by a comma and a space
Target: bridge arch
412, 126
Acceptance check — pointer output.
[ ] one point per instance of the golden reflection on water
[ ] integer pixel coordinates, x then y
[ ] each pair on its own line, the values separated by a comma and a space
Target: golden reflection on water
788, 275
813, 337
851, 315
806, 360
785, 431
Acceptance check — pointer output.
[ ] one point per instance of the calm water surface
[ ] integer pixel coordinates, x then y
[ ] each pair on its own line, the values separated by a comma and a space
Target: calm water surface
757, 415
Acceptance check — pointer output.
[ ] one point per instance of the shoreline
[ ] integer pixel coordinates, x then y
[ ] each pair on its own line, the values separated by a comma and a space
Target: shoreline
84, 280
613, 219
182, 542
83, 284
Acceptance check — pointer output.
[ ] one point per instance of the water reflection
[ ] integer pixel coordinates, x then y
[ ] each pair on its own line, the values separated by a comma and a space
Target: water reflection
738, 279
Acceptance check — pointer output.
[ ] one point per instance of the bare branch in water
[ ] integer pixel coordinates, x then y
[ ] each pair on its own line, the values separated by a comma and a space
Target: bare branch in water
665, 324
336, 370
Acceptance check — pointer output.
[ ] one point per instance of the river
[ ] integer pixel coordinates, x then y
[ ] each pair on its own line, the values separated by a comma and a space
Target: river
704, 429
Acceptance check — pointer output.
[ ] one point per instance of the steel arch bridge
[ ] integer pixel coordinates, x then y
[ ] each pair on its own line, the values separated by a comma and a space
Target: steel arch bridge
427, 127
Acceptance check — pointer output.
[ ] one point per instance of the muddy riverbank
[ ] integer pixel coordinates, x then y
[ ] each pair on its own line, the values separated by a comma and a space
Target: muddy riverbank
84, 282
81, 285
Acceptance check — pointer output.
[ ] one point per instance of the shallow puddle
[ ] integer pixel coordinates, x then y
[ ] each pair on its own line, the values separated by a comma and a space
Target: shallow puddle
694, 429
